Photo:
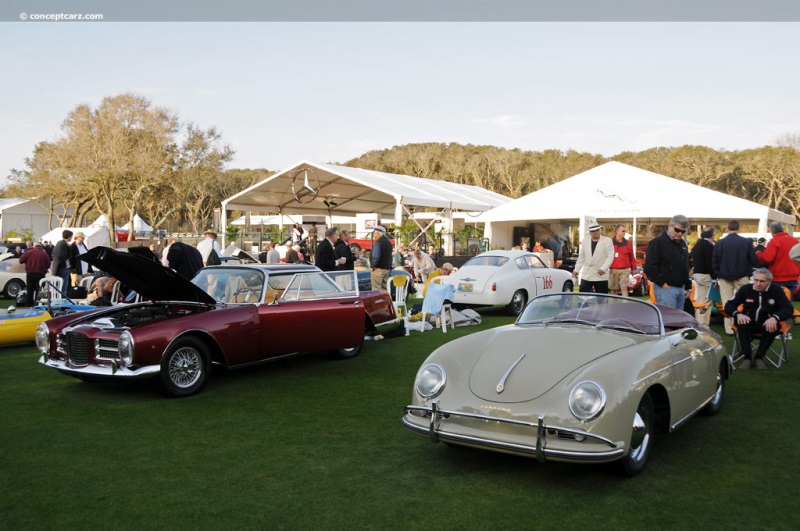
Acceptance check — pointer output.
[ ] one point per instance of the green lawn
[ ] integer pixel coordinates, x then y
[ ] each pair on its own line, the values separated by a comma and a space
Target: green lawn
311, 443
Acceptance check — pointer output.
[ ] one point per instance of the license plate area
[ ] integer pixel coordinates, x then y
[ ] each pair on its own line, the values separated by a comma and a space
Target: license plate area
464, 286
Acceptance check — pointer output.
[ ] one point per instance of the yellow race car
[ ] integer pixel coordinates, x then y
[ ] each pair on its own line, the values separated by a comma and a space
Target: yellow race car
19, 326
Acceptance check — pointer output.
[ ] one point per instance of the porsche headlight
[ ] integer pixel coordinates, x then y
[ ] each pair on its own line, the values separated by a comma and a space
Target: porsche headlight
43, 338
587, 400
125, 348
430, 380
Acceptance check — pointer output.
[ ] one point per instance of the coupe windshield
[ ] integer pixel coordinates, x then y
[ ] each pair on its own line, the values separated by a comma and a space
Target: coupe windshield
231, 284
602, 311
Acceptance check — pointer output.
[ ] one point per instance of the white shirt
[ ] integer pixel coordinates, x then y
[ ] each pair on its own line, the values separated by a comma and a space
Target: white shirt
205, 247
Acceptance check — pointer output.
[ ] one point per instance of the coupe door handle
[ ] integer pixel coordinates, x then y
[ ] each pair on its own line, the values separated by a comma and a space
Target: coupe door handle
354, 303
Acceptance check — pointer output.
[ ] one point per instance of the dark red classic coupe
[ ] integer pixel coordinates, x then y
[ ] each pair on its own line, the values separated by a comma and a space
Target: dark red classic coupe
229, 315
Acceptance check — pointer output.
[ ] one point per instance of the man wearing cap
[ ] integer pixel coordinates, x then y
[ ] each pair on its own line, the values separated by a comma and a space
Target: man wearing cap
667, 264
36, 264
78, 268
380, 258
209, 244
594, 259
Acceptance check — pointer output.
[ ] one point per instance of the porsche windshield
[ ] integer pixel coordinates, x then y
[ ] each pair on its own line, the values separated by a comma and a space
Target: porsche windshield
601, 311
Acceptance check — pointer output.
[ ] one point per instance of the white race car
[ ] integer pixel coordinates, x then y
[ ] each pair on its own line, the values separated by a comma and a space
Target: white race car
511, 278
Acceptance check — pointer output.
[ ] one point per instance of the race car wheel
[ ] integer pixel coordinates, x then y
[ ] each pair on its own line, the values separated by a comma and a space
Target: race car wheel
347, 353
641, 438
713, 407
185, 368
12, 289
517, 303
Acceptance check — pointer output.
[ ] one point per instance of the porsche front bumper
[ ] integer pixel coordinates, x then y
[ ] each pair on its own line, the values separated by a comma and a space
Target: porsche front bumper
429, 421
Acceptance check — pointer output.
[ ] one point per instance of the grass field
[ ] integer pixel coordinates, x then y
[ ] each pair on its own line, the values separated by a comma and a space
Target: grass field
311, 443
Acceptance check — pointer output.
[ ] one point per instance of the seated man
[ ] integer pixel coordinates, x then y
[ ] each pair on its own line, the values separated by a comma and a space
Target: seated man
764, 306
446, 269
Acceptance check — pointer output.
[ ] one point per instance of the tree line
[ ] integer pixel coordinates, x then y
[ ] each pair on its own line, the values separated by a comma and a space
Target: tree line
127, 156
769, 175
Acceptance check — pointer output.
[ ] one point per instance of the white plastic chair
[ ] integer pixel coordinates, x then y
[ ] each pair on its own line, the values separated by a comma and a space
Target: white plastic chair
434, 304
45, 287
400, 283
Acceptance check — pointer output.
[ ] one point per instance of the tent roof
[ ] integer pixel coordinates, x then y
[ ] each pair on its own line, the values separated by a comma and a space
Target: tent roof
618, 191
358, 191
11, 202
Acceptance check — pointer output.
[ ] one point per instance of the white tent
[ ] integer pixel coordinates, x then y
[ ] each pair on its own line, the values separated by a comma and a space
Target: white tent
139, 225
102, 221
616, 192
327, 189
95, 236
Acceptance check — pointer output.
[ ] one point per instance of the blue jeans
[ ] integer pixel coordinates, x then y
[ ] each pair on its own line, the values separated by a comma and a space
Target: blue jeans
63, 272
791, 284
671, 296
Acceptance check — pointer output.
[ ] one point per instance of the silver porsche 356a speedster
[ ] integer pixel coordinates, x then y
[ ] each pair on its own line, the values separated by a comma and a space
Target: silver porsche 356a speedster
579, 377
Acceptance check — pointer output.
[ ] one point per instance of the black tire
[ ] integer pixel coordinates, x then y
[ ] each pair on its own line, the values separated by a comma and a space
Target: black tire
713, 407
643, 427
641, 290
185, 368
518, 301
354, 248
347, 353
13, 287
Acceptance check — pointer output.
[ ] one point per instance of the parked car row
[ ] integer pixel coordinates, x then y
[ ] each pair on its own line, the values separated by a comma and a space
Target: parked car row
578, 377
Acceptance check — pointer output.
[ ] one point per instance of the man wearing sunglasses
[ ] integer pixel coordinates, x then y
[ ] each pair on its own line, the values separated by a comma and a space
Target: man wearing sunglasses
733, 262
667, 264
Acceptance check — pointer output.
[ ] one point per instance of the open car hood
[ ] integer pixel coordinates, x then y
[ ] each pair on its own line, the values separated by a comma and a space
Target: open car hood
146, 277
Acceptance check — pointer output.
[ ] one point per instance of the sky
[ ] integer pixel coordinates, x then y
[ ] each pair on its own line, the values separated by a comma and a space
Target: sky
328, 92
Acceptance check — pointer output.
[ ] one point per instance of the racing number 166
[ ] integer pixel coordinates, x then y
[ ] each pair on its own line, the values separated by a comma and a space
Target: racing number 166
547, 282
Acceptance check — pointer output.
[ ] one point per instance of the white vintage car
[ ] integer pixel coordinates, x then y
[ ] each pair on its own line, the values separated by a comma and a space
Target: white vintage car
12, 277
511, 278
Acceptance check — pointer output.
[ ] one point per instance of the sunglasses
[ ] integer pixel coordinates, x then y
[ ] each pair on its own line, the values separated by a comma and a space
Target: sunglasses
679, 231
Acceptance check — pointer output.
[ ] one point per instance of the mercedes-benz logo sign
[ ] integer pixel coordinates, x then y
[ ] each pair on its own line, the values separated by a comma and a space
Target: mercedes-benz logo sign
305, 186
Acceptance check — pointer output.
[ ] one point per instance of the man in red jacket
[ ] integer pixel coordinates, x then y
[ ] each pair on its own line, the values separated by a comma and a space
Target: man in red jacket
37, 263
776, 256
624, 262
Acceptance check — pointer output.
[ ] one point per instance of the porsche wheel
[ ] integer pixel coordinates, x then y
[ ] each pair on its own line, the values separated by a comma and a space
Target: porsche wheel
12, 289
517, 303
643, 427
713, 407
184, 368
347, 353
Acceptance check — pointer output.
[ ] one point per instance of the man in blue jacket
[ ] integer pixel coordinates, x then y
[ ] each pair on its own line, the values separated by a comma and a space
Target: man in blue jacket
764, 306
733, 261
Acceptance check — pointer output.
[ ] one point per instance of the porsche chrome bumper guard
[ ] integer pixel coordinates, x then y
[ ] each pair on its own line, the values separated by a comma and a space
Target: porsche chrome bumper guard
540, 451
109, 370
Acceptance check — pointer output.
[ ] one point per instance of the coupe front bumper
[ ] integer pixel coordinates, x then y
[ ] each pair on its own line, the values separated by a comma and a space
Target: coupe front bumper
431, 421
112, 369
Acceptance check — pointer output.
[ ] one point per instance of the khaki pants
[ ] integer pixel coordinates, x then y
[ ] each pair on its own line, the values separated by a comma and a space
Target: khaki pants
76, 280
702, 282
379, 278
726, 290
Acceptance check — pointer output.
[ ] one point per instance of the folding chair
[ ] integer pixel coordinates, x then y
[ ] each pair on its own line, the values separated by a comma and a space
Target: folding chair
778, 353
400, 283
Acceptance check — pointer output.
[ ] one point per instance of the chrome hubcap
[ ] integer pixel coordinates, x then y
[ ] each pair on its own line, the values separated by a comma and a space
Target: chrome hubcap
640, 437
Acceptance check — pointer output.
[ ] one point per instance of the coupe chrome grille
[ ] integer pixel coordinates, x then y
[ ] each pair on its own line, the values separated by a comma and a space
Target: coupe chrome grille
77, 348
106, 349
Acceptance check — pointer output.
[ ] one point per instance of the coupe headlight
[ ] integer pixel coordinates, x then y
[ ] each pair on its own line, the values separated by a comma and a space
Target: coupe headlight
430, 380
43, 338
587, 400
125, 348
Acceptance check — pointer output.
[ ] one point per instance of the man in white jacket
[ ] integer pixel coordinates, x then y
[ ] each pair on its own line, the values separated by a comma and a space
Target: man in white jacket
594, 259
